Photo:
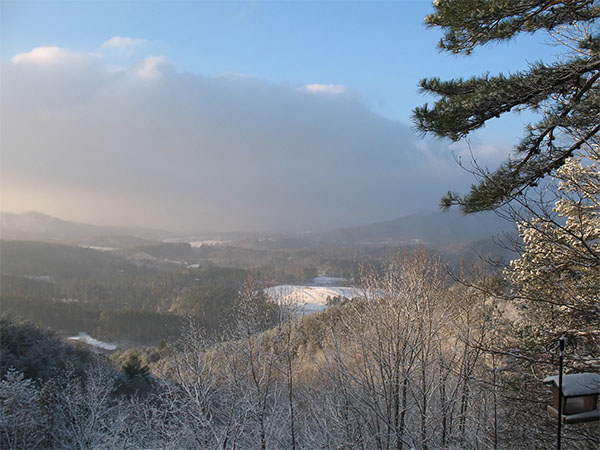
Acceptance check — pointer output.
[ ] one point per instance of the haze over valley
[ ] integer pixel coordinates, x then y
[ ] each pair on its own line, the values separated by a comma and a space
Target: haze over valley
70, 258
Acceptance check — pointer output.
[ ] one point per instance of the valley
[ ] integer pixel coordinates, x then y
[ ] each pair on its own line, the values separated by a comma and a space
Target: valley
138, 287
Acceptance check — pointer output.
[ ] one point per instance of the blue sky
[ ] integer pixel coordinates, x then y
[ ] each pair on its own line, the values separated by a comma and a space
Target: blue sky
249, 61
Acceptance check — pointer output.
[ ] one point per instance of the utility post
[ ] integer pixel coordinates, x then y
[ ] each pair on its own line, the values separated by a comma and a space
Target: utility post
561, 345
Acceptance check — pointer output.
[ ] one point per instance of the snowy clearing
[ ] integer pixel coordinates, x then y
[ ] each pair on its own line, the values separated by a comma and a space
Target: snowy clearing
310, 299
99, 249
87, 339
208, 242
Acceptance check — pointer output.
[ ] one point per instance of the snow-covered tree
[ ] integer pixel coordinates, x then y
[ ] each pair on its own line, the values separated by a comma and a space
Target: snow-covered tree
21, 420
557, 278
83, 411
404, 368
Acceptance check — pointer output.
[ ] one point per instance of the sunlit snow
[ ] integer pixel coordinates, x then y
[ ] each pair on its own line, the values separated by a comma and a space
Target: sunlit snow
87, 339
309, 299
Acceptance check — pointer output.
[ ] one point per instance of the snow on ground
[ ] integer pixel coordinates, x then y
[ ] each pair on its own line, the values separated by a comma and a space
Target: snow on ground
195, 241
209, 242
310, 299
311, 294
143, 256
99, 249
87, 339
46, 278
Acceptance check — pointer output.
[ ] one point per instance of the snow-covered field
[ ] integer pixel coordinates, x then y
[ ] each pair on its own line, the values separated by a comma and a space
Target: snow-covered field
87, 339
195, 242
309, 299
98, 248
209, 242
46, 278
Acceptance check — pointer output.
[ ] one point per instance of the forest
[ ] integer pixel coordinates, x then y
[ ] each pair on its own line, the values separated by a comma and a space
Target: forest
443, 356
429, 363
70, 288
443, 347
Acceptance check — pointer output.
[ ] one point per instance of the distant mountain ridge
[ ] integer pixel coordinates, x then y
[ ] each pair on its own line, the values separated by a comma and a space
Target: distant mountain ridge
429, 227
36, 226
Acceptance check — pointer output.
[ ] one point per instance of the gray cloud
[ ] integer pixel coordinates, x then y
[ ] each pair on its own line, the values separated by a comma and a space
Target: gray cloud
148, 145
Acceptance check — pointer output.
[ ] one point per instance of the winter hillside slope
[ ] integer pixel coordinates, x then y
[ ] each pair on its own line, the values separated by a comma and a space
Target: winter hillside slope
428, 227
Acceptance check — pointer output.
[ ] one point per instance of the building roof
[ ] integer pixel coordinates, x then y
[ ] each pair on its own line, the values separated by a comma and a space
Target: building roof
577, 384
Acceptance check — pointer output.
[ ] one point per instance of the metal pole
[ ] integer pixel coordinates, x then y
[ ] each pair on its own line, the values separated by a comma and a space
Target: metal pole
561, 345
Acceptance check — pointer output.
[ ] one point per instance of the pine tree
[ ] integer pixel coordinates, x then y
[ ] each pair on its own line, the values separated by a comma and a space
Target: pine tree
566, 93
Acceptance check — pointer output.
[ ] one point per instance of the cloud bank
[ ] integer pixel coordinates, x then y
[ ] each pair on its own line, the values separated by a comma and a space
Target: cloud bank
148, 145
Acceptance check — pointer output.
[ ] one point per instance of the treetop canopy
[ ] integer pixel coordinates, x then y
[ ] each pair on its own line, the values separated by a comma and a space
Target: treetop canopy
470, 23
566, 93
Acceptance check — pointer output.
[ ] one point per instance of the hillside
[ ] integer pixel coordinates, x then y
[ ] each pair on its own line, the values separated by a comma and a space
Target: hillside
427, 227
430, 227
35, 226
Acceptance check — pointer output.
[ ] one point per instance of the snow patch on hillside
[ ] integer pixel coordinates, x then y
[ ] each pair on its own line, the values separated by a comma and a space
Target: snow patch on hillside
99, 248
310, 299
87, 339
207, 242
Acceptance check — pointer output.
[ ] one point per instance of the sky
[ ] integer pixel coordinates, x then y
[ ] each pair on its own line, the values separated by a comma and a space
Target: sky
223, 116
